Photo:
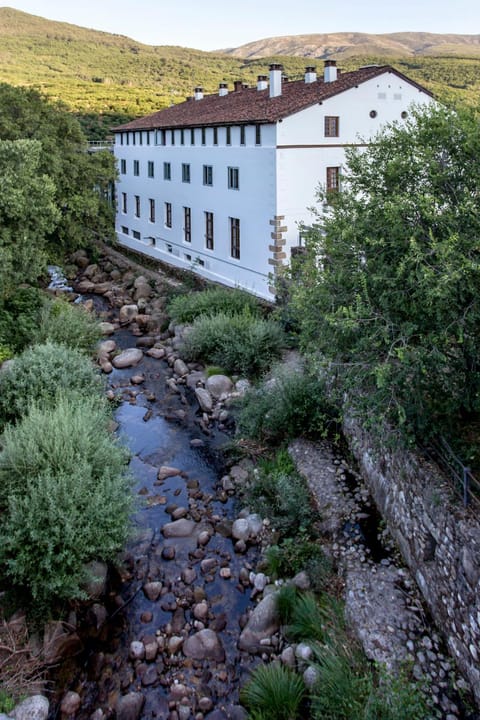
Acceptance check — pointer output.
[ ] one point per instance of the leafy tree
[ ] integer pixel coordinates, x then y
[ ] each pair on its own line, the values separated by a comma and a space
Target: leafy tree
389, 291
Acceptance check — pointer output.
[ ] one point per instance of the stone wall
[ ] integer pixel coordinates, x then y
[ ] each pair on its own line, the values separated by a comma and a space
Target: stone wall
439, 540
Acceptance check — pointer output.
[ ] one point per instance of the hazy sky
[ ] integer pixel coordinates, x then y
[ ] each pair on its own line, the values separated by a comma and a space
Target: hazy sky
213, 24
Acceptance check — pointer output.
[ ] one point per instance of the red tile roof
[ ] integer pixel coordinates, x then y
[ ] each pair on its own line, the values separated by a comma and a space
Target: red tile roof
250, 105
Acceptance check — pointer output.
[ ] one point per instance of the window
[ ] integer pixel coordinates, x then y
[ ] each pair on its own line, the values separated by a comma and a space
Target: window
204, 136
187, 218
128, 138
124, 230
123, 166
242, 134
168, 215
258, 134
192, 136
136, 235
209, 230
140, 137
121, 138
233, 178
186, 172
228, 130
136, 167
215, 136
207, 175
167, 171
137, 205
151, 203
172, 137
333, 179
134, 138
124, 202
151, 169
160, 138
182, 137
147, 134
332, 124
235, 238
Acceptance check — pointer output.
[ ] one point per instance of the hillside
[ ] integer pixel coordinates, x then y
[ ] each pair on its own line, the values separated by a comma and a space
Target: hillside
108, 79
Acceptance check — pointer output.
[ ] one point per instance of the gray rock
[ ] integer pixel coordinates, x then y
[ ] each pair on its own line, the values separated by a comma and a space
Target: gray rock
33, 708
180, 368
241, 529
288, 656
129, 707
260, 581
157, 353
218, 385
127, 314
303, 652
310, 677
204, 399
179, 528
255, 524
106, 347
106, 328
152, 590
128, 358
262, 623
71, 702
165, 471
301, 581
242, 385
204, 645
137, 650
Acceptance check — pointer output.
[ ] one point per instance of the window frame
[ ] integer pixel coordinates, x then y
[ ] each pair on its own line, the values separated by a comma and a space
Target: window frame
209, 231
258, 134
124, 203
333, 179
151, 169
235, 238
187, 224
167, 170
123, 166
228, 135
137, 205
186, 175
208, 175
136, 168
168, 214
332, 126
151, 204
233, 178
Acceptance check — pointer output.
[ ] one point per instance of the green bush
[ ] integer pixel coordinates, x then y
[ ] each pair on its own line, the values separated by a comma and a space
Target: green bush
40, 373
239, 343
291, 405
65, 496
273, 693
297, 553
186, 308
19, 318
68, 324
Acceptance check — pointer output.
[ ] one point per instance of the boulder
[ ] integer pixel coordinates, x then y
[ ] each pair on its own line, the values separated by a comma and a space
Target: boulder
106, 328
157, 353
152, 590
33, 708
204, 399
129, 707
70, 704
165, 471
218, 385
241, 529
204, 645
128, 358
180, 368
106, 347
127, 314
262, 623
178, 528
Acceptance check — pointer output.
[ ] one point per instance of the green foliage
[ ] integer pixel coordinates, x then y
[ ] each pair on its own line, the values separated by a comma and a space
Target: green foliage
7, 702
40, 373
286, 599
396, 696
64, 323
273, 692
389, 291
6, 353
307, 619
65, 496
239, 343
20, 317
294, 403
186, 308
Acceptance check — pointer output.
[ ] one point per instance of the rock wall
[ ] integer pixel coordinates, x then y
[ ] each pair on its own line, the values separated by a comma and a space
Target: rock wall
438, 538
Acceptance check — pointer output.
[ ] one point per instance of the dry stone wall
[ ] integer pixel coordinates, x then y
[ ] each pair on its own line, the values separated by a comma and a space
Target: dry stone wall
438, 538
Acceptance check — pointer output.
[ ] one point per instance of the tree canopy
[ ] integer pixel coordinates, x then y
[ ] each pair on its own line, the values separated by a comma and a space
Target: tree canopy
388, 293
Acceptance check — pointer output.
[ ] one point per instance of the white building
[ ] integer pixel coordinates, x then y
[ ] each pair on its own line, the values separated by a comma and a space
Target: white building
219, 183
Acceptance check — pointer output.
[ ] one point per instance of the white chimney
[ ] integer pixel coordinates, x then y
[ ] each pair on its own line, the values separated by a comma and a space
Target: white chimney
275, 80
223, 89
198, 93
262, 83
310, 75
330, 71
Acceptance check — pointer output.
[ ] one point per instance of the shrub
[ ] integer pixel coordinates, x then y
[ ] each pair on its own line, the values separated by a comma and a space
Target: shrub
294, 554
186, 308
396, 696
286, 599
68, 324
293, 404
65, 494
307, 619
40, 373
239, 343
19, 318
273, 693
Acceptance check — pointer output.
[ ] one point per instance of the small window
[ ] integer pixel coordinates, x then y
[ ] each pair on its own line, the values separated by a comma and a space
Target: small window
192, 136
182, 137
168, 215
235, 238
136, 167
124, 230
123, 166
167, 171
185, 172
136, 235
127, 135
258, 134
124, 202
215, 136
137, 206
209, 230
121, 138
204, 136
233, 178
169, 248
333, 179
172, 137
187, 229
332, 125
151, 203
147, 135
228, 130
242, 134
140, 137
207, 175
134, 138
151, 169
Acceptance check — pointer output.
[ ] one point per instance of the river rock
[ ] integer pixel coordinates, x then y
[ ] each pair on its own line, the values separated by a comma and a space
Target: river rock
106, 328
200, 611
204, 645
189, 575
157, 353
241, 529
33, 708
301, 581
128, 358
174, 644
152, 590
288, 657
262, 623
137, 650
311, 677
106, 347
127, 314
204, 399
303, 652
165, 471
255, 524
129, 707
85, 286
180, 368
70, 704
218, 385
178, 528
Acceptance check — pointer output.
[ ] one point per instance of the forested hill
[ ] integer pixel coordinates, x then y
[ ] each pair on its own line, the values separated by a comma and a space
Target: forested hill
107, 79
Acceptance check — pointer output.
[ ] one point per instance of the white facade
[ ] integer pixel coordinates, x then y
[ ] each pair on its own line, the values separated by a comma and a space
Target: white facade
276, 165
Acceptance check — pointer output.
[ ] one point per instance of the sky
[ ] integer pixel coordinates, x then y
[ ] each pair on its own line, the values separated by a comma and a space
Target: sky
216, 24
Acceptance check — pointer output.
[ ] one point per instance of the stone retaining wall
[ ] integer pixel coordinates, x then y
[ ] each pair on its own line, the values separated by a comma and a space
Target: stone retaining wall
438, 539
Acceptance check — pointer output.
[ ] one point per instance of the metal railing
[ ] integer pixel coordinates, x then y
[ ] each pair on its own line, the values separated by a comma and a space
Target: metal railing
465, 483
101, 143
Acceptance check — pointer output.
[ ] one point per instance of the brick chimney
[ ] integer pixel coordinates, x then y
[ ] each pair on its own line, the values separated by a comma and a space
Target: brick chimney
237, 85
330, 71
275, 80
223, 89
310, 74
198, 93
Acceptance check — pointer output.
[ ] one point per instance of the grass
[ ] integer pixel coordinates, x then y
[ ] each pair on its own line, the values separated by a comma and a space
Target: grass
273, 693
186, 308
